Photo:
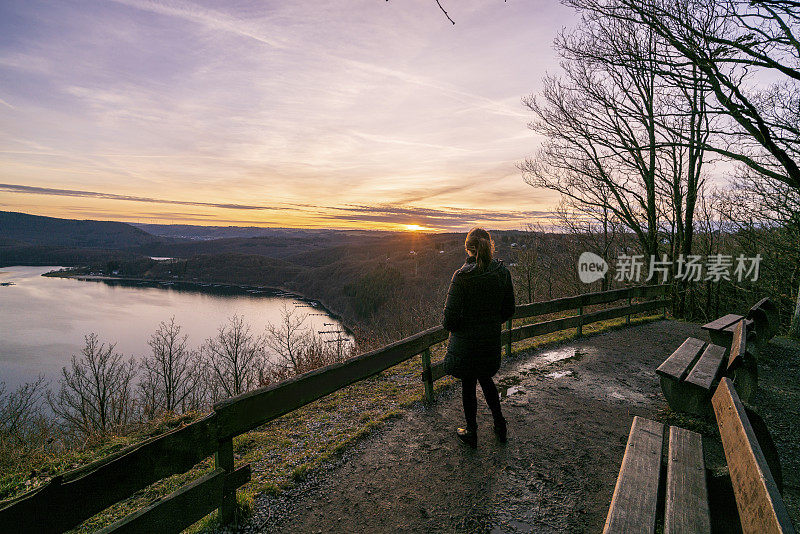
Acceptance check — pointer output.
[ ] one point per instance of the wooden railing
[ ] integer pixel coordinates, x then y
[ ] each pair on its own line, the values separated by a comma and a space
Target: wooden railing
69, 499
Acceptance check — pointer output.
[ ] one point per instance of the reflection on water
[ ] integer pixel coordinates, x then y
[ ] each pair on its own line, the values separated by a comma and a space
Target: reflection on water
43, 320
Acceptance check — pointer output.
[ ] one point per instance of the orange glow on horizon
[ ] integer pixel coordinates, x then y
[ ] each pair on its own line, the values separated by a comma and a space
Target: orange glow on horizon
416, 227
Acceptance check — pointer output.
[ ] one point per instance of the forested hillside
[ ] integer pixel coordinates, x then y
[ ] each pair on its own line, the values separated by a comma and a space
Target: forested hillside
50, 231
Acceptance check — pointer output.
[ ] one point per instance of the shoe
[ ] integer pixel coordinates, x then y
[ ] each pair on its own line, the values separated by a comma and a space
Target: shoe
501, 430
468, 436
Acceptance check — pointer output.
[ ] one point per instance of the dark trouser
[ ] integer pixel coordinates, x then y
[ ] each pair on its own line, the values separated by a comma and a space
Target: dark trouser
471, 402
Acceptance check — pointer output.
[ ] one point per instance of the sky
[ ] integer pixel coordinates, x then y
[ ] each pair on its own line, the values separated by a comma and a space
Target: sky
310, 113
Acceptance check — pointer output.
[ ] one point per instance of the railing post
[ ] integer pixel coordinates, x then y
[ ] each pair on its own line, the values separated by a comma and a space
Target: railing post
580, 321
427, 378
630, 303
223, 459
508, 340
664, 298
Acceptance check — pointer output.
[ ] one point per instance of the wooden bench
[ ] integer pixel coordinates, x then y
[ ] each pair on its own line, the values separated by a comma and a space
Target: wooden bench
762, 318
646, 488
635, 505
764, 315
753, 464
689, 374
742, 365
721, 330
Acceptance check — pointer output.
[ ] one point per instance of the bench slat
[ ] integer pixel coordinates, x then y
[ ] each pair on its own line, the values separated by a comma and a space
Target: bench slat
677, 365
763, 303
707, 369
722, 322
633, 507
761, 508
738, 346
748, 323
742, 368
686, 503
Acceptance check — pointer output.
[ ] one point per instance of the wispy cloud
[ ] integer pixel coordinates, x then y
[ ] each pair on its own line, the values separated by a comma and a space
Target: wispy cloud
33, 190
209, 18
442, 218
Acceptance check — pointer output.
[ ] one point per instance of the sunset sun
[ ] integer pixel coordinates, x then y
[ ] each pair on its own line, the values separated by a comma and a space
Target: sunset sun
415, 227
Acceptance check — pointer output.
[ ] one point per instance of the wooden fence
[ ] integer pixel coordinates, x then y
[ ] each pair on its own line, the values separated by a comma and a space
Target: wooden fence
69, 499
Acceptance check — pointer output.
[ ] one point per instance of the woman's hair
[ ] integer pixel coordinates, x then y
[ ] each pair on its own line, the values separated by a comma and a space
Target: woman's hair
480, 243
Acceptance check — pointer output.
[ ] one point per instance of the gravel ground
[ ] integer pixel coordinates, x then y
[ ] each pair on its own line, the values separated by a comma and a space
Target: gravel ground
778, 402
569, 410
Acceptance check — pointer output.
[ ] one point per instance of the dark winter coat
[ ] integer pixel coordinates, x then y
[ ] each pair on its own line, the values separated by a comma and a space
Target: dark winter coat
478, 302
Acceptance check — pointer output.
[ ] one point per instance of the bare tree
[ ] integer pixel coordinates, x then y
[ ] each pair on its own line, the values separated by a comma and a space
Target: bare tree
22, 423
709, 226
732, 42
599, 120
201, 393
234, 357
525, 270
764, 215
293, 348
169, 373
794, 329
597, 227
626, 128
95, 394
533, 260
441, 8
737, 63
286, 340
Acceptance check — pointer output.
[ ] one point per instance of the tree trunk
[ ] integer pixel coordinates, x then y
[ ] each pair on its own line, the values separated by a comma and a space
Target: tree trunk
794, 329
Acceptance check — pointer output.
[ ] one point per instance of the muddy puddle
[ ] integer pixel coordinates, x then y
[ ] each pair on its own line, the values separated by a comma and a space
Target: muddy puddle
552, 356
512, 384
626, 395
559, 374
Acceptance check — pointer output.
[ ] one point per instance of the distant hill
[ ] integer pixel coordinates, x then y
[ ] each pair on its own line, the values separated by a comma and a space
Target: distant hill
21, 228
207, 233
280, 244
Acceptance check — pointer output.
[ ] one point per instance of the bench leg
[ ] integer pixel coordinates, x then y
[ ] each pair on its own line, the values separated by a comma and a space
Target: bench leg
745, 380
721, 338
683, 397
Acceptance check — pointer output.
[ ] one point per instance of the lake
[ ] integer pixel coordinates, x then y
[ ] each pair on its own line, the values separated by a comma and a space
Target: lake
43, 319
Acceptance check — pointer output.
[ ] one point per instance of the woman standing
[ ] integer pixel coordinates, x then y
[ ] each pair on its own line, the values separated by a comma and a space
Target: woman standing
480, 299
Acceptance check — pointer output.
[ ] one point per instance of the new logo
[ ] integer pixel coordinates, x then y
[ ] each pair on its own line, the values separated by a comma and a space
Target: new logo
591, 267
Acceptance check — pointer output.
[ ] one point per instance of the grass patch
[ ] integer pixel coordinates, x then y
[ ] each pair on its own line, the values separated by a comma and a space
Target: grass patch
211, 523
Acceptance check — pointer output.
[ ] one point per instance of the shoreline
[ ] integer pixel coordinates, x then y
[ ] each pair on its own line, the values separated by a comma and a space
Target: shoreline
202, 286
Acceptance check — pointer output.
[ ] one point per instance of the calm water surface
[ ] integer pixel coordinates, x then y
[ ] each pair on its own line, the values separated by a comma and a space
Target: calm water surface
43, 320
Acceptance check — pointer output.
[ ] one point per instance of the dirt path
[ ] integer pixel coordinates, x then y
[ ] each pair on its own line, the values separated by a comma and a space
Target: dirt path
569, 411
